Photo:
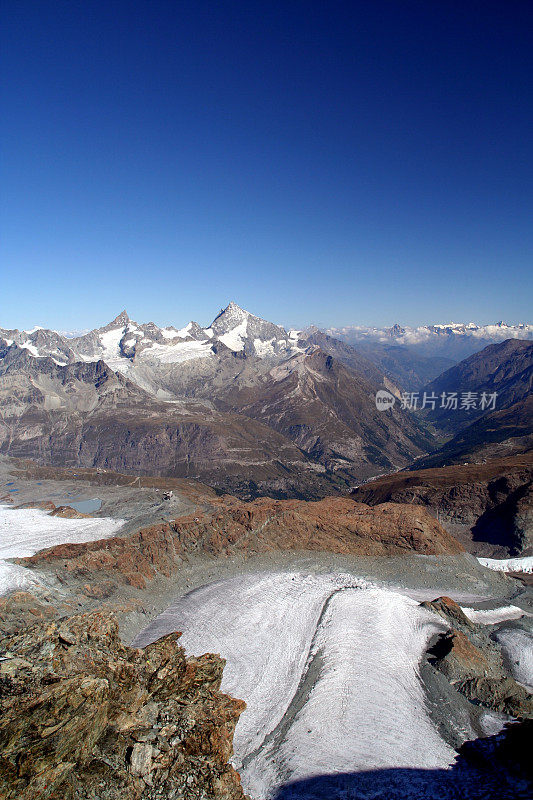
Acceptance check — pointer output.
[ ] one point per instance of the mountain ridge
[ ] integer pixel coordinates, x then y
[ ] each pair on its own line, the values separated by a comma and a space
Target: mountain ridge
243, 405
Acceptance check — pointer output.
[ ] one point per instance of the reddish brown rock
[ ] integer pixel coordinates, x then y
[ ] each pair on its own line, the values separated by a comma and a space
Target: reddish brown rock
336, 525
473, 663
81, 715
449, 610
67, 512
455, 656
487, 506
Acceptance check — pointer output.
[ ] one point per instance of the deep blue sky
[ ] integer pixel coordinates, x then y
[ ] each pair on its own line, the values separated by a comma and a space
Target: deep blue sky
360, 162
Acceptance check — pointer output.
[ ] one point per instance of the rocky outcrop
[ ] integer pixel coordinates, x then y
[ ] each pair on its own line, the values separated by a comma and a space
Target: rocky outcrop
67, 512
336, 525
82, 716
472, 662
488, 507
20, 610
500, 694
451, 612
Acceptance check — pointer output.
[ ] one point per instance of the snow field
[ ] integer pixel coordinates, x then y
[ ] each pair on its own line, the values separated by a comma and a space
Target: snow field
508, 564
25, 531
518, 647
491, 616
328, 667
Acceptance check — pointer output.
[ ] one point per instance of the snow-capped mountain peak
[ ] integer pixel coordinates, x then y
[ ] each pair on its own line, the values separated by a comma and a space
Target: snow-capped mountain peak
125, 345
137, 349
119, 321
240, 330
229, 318
409, 335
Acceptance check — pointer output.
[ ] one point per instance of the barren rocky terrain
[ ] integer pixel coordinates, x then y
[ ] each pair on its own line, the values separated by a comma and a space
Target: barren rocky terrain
488, 506
180, 560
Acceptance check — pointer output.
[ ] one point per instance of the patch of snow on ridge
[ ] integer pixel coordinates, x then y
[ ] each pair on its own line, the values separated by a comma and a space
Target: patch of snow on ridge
179, 352
25, 531
491, 616
508, 564
328, 667
110, 341
234, 339
14, 577
31, 348
518, 647
264, 348
172, 333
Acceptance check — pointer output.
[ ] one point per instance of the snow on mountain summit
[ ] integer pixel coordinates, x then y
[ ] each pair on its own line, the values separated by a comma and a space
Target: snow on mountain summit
124, 344
408, 335
240, 330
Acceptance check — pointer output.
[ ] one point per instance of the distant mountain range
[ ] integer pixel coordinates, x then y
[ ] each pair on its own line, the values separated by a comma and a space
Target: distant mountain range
427, 334
409, 356
417, 355
243, 404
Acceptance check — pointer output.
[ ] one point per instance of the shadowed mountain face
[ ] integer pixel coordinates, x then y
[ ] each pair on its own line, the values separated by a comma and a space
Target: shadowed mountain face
487, 507
503, 371
404, 365
242, 405
506, 369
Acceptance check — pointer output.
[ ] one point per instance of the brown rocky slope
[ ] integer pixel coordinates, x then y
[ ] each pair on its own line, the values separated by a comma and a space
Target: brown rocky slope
336, 525
488, 507
472, 662
82, 716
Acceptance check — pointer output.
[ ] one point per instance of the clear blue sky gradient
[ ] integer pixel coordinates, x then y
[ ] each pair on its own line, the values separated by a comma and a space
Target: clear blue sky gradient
329, 162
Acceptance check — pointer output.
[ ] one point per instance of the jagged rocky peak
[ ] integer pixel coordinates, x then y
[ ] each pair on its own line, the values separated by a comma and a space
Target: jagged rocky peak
119, 321
229, 318
239, 330
116, 721
396, 330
